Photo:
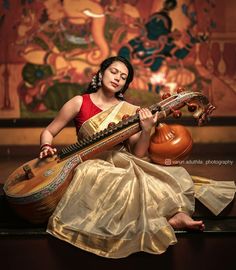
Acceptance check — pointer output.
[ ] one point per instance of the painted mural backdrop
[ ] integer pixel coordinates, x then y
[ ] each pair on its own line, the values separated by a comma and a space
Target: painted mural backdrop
50, 50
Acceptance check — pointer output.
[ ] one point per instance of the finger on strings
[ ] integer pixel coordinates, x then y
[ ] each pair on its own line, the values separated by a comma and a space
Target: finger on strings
142, 114
155, 117
146, 113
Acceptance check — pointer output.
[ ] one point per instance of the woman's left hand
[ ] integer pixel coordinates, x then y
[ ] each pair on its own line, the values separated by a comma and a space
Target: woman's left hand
147, 120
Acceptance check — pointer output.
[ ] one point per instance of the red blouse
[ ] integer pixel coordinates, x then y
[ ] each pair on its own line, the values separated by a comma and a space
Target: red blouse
87, 110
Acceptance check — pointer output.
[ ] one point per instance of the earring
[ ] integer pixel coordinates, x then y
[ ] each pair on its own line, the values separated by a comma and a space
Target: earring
99, 79
120, 94
93, 82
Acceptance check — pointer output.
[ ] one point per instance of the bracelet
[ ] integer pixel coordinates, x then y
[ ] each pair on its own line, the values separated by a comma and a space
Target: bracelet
45, 59
45, 145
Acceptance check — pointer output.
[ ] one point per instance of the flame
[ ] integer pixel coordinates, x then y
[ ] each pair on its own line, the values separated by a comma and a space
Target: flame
158, 78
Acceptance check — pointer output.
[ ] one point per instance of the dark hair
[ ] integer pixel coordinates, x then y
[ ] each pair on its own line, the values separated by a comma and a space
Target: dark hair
93, 86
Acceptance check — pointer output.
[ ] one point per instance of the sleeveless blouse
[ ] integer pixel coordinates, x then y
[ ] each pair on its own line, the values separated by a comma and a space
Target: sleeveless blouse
87, 110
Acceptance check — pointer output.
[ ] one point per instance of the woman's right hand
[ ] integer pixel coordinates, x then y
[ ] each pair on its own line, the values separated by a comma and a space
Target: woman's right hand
65, 115
47, 151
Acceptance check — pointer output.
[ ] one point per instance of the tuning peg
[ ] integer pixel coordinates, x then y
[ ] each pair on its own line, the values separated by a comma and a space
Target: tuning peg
165, 96
177, 113
111, 124
201, 121
180, 89
125, 116
191, 107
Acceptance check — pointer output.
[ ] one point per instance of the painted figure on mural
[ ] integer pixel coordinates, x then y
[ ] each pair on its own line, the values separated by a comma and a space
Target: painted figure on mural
159, 46
62, 43
124, 21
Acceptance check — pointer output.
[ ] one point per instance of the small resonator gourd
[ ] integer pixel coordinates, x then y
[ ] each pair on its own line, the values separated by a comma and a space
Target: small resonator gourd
170, 144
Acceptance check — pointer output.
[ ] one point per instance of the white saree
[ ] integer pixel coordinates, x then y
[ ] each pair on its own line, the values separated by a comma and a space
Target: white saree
118, 204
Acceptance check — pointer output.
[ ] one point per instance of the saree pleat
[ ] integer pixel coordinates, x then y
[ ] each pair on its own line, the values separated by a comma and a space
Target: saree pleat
118, 204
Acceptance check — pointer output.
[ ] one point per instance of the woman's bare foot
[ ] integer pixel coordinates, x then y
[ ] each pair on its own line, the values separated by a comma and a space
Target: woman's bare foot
183, 221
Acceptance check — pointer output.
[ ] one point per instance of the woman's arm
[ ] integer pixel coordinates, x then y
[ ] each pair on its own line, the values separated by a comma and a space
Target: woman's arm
65, 115
139, 142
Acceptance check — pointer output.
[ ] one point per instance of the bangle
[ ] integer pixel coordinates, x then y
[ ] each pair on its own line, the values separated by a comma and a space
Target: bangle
46, 56
45, 145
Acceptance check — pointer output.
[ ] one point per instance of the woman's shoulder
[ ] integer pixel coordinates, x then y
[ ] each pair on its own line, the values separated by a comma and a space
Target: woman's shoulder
75, 103
76, 100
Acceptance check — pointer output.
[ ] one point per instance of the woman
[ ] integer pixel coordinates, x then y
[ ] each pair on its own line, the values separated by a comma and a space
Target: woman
117, 203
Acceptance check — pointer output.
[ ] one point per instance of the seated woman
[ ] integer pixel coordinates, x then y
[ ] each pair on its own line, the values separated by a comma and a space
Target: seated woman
117, 203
